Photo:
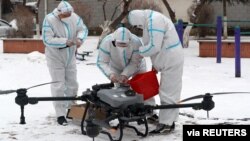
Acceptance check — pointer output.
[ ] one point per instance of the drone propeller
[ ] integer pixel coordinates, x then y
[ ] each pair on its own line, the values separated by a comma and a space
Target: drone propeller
202, 96
207, 95
43, 84
12, 91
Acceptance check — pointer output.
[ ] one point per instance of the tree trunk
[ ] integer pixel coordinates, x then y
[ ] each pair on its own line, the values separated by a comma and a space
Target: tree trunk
1, 9
24, 2
186, 36
103, 9
45, 7
170, 11
113, 15
7, 7
198, 9
37, 19
122, 15
108, 28
225, 18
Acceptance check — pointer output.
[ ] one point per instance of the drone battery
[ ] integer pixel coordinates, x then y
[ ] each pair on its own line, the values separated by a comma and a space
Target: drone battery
118, 98
76, 112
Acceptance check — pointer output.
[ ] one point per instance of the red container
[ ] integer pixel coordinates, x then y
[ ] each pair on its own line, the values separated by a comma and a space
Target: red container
145, 84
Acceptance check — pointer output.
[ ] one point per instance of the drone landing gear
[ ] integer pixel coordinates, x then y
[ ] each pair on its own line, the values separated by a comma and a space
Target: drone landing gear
22, 100
95, 126
124, 124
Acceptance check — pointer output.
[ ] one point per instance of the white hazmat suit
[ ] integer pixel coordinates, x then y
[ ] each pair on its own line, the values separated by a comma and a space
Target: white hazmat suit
162, 45
121, 60
60, 57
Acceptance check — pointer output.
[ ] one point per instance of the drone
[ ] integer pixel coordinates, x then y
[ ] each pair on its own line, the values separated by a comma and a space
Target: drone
81, 56
122, 104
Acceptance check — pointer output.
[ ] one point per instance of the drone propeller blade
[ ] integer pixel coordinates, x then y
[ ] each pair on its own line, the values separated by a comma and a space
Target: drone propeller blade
212, 94
12, 91
43, 84
191, 98
223, 93
7, 92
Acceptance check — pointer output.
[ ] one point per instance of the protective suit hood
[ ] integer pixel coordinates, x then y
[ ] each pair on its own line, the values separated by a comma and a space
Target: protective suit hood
64, 7
137, 18
122, 35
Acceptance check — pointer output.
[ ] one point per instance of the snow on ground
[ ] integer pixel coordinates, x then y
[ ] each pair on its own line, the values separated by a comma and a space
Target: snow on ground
201, 75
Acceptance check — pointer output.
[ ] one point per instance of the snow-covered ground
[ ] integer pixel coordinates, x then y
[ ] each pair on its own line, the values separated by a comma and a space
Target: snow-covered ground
201, 75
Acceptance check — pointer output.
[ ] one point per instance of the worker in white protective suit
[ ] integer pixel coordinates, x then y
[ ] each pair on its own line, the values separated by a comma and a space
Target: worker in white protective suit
162, 45
119, 57
63, 32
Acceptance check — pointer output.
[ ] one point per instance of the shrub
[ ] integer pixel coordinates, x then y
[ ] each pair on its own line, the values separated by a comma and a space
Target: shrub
24, 18
204, 15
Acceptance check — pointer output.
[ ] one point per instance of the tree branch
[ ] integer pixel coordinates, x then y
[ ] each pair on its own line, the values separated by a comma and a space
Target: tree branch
112, 17
103, 9
7, 7
24, 2
122, 15
170, 11
38, 3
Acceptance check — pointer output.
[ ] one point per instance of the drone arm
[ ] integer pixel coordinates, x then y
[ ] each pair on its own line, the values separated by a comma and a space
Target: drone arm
206, 104
35, 100
171, 106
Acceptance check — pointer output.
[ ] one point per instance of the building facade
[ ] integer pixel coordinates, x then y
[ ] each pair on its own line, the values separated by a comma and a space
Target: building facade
96, 6
234, 12
180, 7
237, 12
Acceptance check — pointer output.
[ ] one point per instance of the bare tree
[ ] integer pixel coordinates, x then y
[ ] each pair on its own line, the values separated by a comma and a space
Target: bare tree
109, 26
24, 2
126, 6
103, 9
195, 13
117, 6
24, 17
37, 19
83, 10
123, 14
7, 7
170, 11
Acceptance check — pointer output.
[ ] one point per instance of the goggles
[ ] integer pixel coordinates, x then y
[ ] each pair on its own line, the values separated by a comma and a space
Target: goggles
121, 44
65, 10
138, 26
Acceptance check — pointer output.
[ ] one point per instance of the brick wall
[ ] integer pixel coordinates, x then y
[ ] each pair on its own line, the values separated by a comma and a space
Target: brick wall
24, 45
208, 49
